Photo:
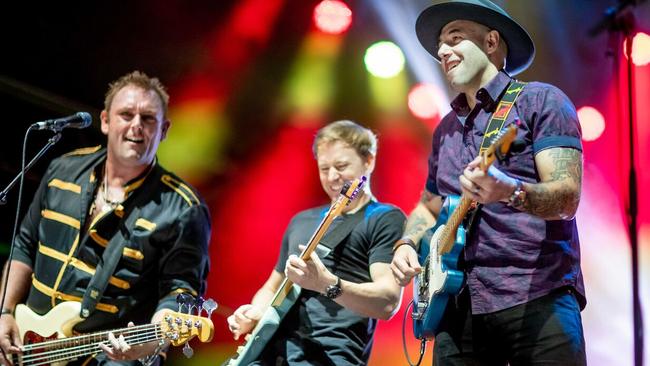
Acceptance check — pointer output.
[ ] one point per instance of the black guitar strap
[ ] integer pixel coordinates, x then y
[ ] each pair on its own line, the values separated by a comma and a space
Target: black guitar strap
106, 268
336, 235
494, 126
498, 118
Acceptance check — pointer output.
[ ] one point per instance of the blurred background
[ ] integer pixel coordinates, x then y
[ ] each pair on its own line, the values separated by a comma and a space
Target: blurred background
252, 80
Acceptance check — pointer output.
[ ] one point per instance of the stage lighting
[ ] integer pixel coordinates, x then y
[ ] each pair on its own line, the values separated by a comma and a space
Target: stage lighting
592, 123
423, 101
640, 49
332, 16
384, 59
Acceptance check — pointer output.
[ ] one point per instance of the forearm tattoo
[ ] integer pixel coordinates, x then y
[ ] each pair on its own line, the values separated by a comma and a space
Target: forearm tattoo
559, 197
418, 223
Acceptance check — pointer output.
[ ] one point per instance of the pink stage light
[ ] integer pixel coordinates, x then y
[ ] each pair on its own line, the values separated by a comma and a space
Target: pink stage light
423, 101
592, 123
332, 16
640, 49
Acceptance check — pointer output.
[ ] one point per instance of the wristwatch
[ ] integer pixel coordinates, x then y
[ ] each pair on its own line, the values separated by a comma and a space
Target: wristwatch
334, 291
518, 197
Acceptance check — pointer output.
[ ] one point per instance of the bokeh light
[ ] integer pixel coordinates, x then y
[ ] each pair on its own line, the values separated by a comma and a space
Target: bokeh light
640, 49
592, 123
423, 100
384, 59
332, 16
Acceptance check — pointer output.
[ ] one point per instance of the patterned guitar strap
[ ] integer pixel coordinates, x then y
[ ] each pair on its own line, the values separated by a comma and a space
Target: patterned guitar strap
494, 126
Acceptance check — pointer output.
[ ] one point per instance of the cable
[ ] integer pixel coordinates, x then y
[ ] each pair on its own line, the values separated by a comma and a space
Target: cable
423, 342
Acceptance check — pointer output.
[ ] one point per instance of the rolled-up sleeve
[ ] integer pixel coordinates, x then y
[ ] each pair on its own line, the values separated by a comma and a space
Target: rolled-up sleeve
557, 123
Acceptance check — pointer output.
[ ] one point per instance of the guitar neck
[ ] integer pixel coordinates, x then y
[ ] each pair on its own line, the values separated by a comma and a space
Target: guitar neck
332, 213
66, 349
454, 221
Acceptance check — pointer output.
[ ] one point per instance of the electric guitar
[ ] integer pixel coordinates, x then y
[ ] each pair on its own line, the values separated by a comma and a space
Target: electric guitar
288, 292
47, 339
440, 248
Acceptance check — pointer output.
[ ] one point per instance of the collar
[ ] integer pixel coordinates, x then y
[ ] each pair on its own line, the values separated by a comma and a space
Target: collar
486, 97
131, 185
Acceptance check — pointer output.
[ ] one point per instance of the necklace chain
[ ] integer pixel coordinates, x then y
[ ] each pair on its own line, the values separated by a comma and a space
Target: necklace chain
112, 203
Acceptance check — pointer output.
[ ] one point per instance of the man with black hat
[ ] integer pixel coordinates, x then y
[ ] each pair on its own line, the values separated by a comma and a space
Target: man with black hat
523, 292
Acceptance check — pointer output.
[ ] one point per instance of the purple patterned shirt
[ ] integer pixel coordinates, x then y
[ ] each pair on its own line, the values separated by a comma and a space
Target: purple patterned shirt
511, 257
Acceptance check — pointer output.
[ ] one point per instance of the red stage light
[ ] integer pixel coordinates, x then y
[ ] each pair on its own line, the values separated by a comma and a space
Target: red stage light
332, 16
423, 101
640, 49
592, 123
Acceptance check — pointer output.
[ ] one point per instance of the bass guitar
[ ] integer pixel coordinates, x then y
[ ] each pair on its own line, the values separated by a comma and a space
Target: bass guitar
48, 340
288, 292
441, 247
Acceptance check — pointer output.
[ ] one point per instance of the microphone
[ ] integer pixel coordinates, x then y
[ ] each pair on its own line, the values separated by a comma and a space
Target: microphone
77, 120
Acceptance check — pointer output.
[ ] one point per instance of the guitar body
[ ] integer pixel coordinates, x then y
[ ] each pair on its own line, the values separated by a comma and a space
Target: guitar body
440, 277
57, 323
48, 340
258, 339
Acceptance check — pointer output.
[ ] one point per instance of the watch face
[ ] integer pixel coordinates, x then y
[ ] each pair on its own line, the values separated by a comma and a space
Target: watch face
334, 291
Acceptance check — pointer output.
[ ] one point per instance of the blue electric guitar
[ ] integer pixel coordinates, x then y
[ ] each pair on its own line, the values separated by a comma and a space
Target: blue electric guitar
441, 247
288, 292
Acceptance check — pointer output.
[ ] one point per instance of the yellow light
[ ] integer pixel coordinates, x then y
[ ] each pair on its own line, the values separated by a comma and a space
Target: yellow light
384, 59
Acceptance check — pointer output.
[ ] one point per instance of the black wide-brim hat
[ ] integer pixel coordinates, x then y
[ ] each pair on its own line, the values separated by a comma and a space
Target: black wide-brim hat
521, 49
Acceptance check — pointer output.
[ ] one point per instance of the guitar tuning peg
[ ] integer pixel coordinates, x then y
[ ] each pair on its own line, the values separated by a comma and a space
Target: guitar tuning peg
188, 352
209, 306
199, 304
185, 299
180, 302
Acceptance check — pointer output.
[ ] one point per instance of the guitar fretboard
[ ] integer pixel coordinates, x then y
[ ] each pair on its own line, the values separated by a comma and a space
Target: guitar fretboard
66, 349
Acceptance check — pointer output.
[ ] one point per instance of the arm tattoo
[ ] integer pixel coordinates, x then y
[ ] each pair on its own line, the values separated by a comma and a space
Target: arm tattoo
559, 197
415, 226
568, 164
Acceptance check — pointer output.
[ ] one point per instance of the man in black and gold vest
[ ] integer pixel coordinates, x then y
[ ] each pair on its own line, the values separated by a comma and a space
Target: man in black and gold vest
98, 208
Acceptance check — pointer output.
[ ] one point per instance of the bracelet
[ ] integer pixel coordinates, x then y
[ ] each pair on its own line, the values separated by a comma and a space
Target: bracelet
404, 241
6, 311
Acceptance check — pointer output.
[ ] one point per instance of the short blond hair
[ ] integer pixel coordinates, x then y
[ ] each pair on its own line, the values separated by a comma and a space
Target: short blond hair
361, 139
139, 79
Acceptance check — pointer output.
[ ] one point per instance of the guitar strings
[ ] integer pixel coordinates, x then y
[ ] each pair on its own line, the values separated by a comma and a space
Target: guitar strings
75, 352
141, 334
62, 342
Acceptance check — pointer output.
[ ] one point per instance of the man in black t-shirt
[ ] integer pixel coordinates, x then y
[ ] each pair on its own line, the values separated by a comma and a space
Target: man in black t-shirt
346, 288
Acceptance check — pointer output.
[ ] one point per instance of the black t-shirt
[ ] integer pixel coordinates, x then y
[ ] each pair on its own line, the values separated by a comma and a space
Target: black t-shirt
317, 330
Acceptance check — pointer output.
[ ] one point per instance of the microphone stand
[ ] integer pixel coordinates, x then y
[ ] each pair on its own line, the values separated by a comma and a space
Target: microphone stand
53, 140
617, 21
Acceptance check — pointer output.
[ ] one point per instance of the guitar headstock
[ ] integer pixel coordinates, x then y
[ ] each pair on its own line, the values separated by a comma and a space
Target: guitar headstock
351, 190
500, 146
179, 328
